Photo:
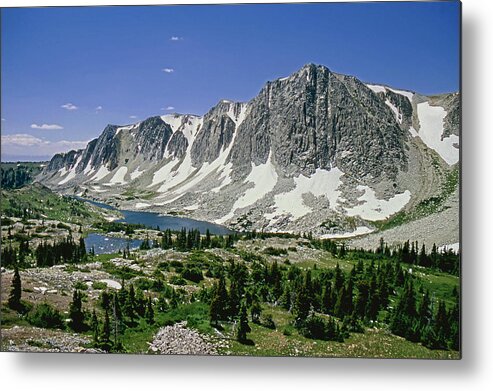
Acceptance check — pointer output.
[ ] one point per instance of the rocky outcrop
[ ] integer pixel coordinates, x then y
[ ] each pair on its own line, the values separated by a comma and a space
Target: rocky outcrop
178, 339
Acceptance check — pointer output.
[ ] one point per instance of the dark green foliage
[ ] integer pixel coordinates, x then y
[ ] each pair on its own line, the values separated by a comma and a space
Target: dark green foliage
46, 316
149, 312
15, 176
275, 251
268, 321
76, 314
64, 251
243, 326
219, 302
317, 327
114, 226
14, 301
193, 274
95, 326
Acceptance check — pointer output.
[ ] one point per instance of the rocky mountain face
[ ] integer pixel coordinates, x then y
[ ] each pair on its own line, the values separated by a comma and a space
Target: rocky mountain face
315, 151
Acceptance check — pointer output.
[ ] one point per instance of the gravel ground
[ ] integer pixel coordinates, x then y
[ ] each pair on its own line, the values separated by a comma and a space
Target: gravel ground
34, 339
441, 228
178, 339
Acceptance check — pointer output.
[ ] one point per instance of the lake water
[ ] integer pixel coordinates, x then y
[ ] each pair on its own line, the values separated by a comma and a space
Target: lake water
107, 245
104, 244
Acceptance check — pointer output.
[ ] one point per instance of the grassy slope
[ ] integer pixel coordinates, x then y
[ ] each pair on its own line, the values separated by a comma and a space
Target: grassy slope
43, 203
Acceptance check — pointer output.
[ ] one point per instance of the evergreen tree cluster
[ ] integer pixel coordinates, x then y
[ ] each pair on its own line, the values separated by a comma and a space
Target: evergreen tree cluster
65, 251
188, 240
417, 320
12, 256
15, 177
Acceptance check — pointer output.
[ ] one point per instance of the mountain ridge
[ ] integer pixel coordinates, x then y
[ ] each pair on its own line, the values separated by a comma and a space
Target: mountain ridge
312, 147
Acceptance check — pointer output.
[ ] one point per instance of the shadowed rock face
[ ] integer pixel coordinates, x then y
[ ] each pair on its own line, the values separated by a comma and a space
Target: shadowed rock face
216, 133
151, 138
319, 119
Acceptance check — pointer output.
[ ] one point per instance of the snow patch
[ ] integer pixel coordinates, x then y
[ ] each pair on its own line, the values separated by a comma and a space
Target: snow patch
98, 189
127, 127
358, 231
71, 173
408, 94
321, 183
264, 179
413, 132
398, 115
373, 209
455, 247
101, 173
140, 205
239, 117
112, 283
431, 130
136, 173
376, 88
119, 177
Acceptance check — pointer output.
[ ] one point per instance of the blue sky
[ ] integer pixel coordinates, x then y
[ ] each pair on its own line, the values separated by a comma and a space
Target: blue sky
67, 72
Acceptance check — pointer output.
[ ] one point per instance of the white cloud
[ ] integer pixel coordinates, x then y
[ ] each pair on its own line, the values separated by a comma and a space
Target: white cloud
176, 38
168, 108
23, 144
133, 117
69, 106
3, 119
99, 108
46, 126
168, 70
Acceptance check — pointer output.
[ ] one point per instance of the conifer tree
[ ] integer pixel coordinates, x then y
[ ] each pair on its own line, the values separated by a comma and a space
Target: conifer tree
105, 336
95, 326
149, 314
76, 313
14, 300
255, 310
243, 326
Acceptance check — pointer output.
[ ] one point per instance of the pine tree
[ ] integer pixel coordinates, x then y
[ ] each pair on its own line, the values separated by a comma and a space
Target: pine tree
95, 326
441, 326
75, 312
255, 310
105, 336
149, 314
243, 326
14, 300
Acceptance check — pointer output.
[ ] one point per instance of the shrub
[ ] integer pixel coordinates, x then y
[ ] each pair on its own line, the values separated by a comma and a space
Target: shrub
268, 322
46, 316
99, 285
82, 286
275, 251
177, 280
192, 274
63, 226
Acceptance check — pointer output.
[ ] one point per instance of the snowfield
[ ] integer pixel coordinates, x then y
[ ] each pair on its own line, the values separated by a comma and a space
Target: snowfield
264, 179
373, 209
101, 173
431, 130
322, 183
119, 177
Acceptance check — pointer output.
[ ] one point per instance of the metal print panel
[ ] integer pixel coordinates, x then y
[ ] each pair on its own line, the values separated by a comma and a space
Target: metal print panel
261, 180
